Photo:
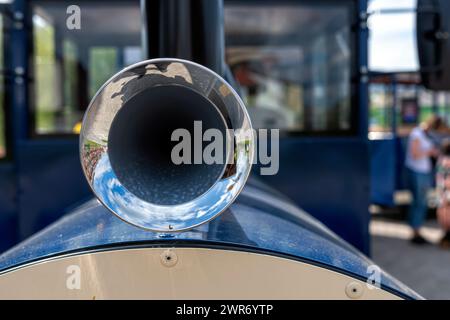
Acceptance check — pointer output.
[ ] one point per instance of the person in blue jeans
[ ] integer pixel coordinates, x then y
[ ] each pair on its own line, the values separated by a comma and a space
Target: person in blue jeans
418, 162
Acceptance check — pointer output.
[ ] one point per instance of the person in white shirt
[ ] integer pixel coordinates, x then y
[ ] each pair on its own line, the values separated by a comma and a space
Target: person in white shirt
418, 162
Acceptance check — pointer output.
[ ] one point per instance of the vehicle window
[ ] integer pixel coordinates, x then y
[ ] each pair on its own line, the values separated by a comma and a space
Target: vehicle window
70, 64
392, 36
402, 96
102, 64
293, 63
398, 101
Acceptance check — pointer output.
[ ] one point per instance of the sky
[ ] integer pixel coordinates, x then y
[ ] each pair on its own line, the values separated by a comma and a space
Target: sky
392, 43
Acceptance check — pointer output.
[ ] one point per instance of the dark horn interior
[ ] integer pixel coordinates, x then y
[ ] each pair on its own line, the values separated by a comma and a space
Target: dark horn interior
140, 146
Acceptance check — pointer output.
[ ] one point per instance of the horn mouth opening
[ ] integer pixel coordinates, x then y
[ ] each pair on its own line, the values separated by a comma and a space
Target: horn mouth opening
140, 145
125, 145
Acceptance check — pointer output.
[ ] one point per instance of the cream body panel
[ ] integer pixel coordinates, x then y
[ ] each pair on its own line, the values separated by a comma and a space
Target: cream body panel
188, 273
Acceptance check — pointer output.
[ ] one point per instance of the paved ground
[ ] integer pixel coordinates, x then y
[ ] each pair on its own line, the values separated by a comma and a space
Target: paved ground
426, 269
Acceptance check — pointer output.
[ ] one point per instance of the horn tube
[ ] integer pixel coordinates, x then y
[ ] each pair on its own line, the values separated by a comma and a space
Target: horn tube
127, 144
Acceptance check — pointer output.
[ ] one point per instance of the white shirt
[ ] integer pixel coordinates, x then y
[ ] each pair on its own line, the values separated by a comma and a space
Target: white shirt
423, 164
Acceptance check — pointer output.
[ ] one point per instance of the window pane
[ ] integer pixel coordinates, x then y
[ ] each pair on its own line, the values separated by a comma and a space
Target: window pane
392, 36
293, 64
2, 94
70, 65
380, 117
102, 64
401, 95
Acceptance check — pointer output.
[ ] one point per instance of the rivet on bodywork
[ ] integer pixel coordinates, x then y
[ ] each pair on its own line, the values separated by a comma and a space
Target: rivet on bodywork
354, 290
169, 258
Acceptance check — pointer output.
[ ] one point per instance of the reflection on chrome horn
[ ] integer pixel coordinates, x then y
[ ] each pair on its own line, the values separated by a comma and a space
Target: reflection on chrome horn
125, 144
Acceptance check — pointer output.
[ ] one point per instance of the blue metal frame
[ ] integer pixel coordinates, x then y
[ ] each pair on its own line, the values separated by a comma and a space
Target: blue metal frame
41, 178
384, 158
15, 107
329, 177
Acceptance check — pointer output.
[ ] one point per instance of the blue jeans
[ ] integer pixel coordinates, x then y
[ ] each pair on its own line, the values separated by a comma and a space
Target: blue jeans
419, 184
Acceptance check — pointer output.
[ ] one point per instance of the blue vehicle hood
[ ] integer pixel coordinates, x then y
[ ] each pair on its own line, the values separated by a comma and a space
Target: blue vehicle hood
260, 220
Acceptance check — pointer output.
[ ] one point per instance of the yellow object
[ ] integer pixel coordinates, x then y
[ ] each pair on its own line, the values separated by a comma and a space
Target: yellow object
77, 128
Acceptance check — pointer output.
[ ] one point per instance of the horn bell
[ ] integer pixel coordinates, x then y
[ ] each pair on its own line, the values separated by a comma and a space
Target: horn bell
126, 145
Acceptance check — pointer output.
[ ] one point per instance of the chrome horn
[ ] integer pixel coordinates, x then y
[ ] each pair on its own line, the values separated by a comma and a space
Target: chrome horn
125, 145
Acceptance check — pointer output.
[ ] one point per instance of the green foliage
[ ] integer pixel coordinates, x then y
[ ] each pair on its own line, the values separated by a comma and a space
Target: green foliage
57, 85
103, 64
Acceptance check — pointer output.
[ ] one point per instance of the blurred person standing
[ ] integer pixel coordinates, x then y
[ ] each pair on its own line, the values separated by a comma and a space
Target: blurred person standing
443, 192
420, 149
